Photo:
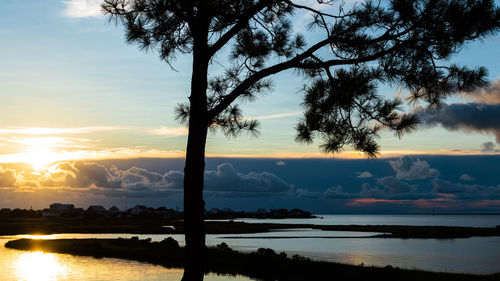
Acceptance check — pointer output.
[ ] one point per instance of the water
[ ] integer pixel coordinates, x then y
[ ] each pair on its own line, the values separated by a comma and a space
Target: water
39, 266
443, 220
472, 255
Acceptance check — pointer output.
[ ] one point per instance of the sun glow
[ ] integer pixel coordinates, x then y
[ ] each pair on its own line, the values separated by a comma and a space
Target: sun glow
40, 152
39, 266
39, 156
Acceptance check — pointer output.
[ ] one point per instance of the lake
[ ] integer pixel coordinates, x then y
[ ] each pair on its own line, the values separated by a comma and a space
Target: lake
473, 255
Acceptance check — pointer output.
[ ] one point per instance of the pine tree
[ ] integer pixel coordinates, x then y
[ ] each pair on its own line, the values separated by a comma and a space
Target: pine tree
404, 43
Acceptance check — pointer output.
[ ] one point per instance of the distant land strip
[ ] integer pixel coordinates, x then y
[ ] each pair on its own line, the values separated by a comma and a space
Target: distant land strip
294, 237
17, 226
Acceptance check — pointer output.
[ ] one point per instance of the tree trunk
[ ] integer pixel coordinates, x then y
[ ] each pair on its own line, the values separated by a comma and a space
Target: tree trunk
194, 169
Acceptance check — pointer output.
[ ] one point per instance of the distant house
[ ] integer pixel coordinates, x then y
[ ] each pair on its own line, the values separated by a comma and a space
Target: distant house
96, 210
261, 211
61, 207
138, 210
48, 213
298, 213
164, 213
59, 210
278, 213
114, 212
213, 211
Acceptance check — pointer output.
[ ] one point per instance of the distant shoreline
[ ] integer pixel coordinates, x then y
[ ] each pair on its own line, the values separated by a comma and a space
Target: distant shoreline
418, 213
262, 264
158, 226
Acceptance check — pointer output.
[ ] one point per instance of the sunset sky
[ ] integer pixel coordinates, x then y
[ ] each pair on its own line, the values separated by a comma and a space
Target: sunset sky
79, 106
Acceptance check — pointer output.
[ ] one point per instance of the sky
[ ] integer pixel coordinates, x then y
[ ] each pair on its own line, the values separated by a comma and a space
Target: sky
88, 119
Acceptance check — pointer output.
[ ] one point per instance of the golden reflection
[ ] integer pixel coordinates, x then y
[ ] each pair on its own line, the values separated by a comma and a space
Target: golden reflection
39, 236
39, 266
355, 258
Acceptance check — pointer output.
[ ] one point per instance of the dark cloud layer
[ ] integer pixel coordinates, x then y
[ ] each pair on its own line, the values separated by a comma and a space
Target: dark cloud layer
402, 187
466, 191
469, 117
405, 184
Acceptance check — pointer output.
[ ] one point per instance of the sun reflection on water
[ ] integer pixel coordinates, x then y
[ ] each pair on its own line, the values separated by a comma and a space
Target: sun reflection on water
39, 236
39, 266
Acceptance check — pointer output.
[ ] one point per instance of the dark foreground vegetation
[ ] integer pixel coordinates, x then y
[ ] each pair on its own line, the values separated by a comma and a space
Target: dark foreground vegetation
263, 264
15, 226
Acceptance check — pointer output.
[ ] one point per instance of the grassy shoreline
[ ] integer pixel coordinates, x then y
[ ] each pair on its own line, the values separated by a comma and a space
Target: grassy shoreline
151, 226
263, 264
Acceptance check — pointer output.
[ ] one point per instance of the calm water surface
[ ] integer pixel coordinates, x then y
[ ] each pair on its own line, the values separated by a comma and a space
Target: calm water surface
443, 220
473, 255
39, 266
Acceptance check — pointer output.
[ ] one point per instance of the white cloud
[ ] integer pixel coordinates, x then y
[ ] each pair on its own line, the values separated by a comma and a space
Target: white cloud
169, 131
83, 8
365, 175
279, 115
466, 177
55, 131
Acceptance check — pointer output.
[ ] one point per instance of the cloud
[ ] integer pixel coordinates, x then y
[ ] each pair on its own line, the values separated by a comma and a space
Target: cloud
390, 188
8, 177
466, 191
55, 131
337, 193
364, 175
470, 117
169, 131
81, 174
369, 191
487, 95
466, 177
226, 179
305, 193
408, 169
396, 186
279, 115
488, 147
82, 8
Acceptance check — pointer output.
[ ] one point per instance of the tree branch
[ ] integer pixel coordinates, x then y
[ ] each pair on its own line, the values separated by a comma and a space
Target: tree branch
292, 63
242, 22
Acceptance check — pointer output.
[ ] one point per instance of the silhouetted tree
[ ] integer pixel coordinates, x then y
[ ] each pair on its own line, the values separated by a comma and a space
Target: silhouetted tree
351, 51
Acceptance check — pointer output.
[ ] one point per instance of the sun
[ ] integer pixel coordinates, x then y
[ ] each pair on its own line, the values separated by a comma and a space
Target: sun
40, 154
39, 157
